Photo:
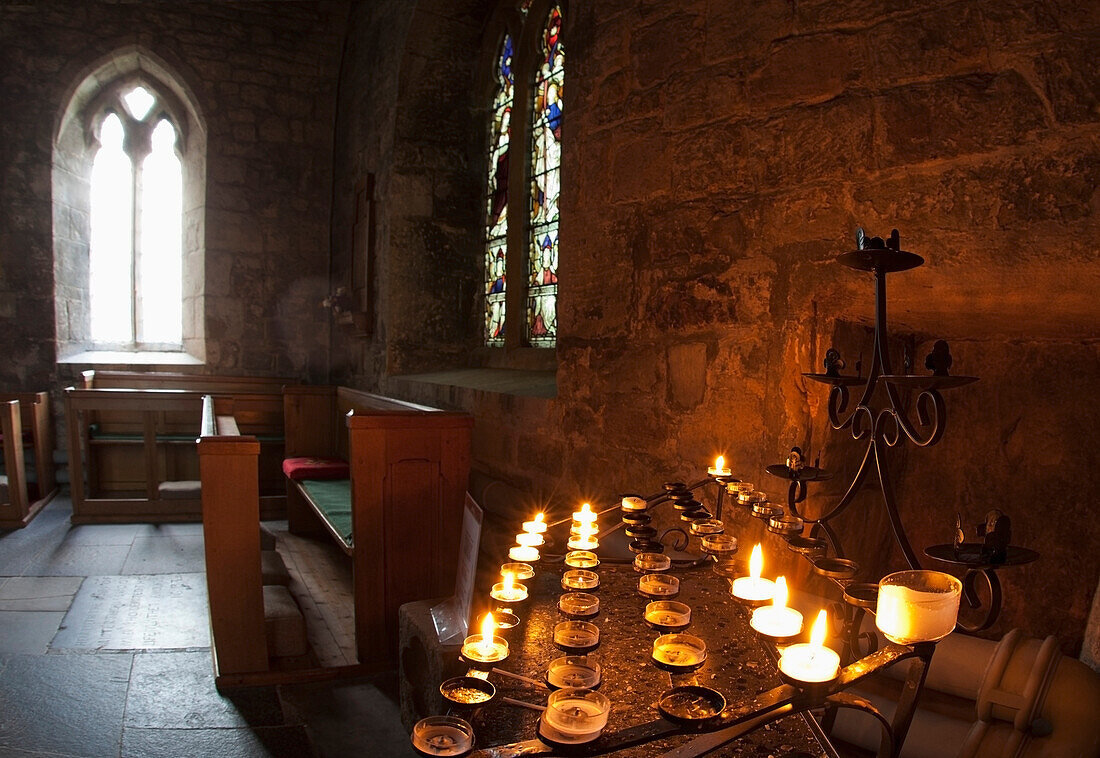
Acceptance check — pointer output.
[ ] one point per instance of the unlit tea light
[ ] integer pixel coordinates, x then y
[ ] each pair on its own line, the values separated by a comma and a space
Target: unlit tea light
573, 671
583, 542
652, 562
679, 651
576, 714
580, 604
576, 635
443, 736
706, 526
659, 585
668, 614
580, 579
521, 571
632, 503
581, 559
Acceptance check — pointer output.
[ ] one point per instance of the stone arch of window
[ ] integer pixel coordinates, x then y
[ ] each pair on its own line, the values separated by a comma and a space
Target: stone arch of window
97, 93
519, 270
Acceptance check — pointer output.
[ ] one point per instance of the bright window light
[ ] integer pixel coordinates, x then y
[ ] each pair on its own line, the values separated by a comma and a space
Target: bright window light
139, 101
111, 253
160, 282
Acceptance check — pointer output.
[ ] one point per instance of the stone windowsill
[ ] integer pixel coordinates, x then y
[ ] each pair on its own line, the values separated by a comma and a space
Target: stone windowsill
104, 358
499, 380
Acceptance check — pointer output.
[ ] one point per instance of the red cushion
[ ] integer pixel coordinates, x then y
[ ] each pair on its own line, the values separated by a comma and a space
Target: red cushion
316, 468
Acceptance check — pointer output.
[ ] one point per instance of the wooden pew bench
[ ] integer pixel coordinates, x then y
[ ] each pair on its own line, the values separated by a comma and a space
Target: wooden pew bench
397, 514
28, 481
132, 436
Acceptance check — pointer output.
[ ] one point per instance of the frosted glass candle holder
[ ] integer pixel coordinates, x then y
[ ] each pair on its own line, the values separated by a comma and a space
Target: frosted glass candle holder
917, 606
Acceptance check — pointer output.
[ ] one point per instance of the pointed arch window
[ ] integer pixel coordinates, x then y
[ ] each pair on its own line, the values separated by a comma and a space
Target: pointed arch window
522, 219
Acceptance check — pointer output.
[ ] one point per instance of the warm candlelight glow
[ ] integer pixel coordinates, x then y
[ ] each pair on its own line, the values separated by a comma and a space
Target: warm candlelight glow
719, 463
753, 588
509, 583
537, 526
585, 515
780, 599
719, 468
777, 620
756, 562
488, 627
529, 539
820, 629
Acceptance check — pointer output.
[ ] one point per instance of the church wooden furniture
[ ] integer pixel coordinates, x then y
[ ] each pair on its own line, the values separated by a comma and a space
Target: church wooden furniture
132, 437
28, 442
409, 468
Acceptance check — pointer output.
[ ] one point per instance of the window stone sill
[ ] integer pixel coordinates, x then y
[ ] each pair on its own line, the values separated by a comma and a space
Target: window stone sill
498, 380
106, 358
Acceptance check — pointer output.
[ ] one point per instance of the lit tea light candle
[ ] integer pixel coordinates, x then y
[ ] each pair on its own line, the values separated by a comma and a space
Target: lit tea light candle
812, 662
754, 588
573, 671
917, 606
659, 586
585, 515
633, 503
580, 579
443, 736
679, 653
579, 605
508, 591
586, 540
777, 620
536, 526
521, 571
486, 648
719, 468
574, 715
668, 615
524, 554
652, 562
529, 539
581, 559
577, 637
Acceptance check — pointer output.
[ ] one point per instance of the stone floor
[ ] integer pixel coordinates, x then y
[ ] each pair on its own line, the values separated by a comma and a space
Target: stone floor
105, 652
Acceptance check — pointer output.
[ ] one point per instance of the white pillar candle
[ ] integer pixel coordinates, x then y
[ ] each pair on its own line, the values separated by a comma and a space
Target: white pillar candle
917, 606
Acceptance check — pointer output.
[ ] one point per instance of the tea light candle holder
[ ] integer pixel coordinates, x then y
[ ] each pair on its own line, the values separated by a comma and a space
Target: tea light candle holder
744, 492
521, 571
579, 605
505, 621
652, 562
467, 691
668, 615
524, 554
508, 591
720, 545
483, 652
777, 622
585, 515
754, 589
765, 510
529, 539
917, 606
581, 559
580, 579
584, 542
706, 526
574, 671
811, 664
679, 653
659, 586
576, 637
443, 736
633, 503
786, 525
574, 715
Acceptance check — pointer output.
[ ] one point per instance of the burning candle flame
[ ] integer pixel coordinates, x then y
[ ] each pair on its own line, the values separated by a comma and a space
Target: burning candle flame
540, 517
586, 508
487, 626
821, 628
756, 562
509, 584
780, 599
719, 463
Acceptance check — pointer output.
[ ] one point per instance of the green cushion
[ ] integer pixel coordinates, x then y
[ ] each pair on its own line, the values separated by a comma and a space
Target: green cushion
333, 498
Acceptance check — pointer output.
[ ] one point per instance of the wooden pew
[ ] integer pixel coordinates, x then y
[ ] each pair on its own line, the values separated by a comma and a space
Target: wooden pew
136, 444
27, 427
409, 468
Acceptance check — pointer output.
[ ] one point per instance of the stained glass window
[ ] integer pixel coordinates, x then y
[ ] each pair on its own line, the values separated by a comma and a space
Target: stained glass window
496, 224
546, 119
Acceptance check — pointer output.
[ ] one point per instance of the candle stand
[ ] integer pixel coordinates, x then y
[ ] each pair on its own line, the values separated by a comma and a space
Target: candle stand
812, 682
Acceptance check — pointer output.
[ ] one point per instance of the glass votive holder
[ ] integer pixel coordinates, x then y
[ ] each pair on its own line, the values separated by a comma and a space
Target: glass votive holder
659, 586
668, 615
519, 571
706, 526
502, 593
744, 491
786, 525
765, 510
652, 562
581, 559
679, 653
720, 545
443, 736
917, 606
576, 637
505, 621
573, 671
583, 542
580, 579
578, 605
482, 653
467, 691
574, 715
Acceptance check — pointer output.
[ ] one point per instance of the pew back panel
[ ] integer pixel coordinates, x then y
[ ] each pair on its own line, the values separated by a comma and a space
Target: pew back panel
37, 478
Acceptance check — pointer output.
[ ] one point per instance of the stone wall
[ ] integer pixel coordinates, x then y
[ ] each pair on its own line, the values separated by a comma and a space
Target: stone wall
717, 157
264, 76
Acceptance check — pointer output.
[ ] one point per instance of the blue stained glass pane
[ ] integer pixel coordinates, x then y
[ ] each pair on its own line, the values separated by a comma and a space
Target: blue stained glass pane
496, 214
546, 122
